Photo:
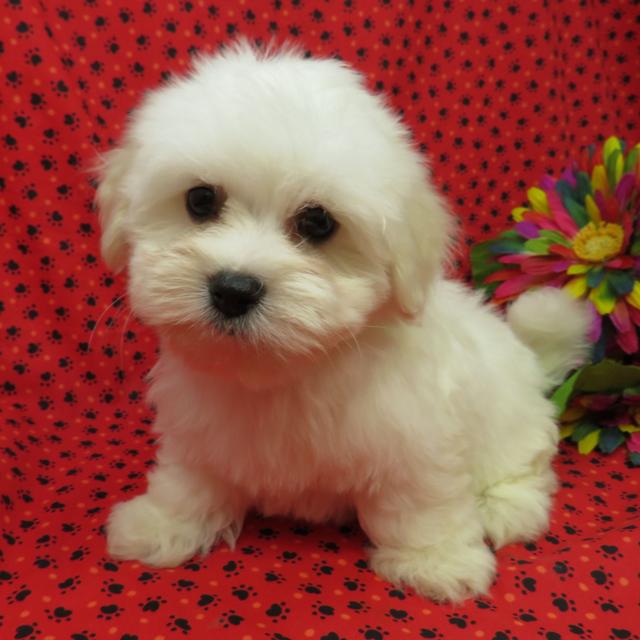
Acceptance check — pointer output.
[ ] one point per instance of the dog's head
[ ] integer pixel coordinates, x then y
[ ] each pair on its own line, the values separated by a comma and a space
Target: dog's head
270, 201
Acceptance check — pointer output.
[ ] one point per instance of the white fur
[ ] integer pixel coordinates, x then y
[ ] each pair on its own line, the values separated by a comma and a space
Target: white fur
365, 383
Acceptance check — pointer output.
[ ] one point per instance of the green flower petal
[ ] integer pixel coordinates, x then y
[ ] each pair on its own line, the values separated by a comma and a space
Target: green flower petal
611, 145
564, 189
613, 165
610, 440
583, 430
632, 159
539, 246
621, 281
576, 211
595, 277
483, 263
583, 186
502, 247
556, 237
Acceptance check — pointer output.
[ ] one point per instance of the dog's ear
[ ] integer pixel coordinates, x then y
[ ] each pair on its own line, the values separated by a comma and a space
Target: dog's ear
113, 205
419, 242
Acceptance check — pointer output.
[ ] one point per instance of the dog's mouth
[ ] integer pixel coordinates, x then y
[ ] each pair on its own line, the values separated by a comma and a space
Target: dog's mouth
228, 328
239, 328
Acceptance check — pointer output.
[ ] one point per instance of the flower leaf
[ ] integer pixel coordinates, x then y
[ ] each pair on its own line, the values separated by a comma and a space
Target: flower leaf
607, 375
562, 394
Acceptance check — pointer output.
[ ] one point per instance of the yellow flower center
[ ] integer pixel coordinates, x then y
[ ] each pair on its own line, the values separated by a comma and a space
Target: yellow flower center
598, 241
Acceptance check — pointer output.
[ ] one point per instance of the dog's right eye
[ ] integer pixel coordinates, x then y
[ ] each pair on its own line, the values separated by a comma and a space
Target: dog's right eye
204, 203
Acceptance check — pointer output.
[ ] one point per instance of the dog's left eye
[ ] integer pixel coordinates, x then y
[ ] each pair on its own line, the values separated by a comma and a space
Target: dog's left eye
204, 203
315, 224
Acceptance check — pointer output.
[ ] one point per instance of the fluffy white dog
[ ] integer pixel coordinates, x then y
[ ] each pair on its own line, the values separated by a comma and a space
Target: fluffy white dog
283, 238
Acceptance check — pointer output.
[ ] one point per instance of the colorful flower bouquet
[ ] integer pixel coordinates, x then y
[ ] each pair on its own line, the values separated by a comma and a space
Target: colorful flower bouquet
581, 232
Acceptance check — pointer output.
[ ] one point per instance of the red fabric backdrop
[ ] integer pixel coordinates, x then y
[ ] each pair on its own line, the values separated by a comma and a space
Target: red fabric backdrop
496, 93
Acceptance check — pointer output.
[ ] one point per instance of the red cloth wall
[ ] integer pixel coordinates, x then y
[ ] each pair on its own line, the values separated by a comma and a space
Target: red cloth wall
496, 93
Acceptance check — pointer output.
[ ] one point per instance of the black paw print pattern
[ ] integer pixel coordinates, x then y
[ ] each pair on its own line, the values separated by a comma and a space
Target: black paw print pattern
496, 94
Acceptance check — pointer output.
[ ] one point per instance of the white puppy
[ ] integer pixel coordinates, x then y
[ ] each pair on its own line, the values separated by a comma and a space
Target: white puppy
282, 237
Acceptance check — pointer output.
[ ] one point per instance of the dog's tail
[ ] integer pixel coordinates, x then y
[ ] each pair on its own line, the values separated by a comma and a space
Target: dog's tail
555, 327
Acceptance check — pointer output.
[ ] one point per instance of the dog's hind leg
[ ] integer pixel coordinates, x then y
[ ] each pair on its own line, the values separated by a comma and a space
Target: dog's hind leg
516, 509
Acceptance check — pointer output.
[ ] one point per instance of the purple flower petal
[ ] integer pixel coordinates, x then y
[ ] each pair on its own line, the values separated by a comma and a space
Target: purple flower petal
547, 183
527, 230
596, 324
569, 175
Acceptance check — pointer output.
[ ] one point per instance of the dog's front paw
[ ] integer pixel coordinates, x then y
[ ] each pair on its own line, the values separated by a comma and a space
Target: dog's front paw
141, 530
450, 571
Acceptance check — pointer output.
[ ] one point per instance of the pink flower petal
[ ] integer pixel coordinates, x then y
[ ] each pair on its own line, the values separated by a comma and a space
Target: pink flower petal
627, 336
557, 281
635, 314
620, 317
541, 266
610, 211
634, 442
598, 402
513, 258
628, 341
564, 221
561, 250
622, 262
625, 188
499, 276
540, 220
514, 286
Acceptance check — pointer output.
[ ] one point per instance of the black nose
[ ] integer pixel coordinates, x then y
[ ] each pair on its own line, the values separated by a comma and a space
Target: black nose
233, 293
